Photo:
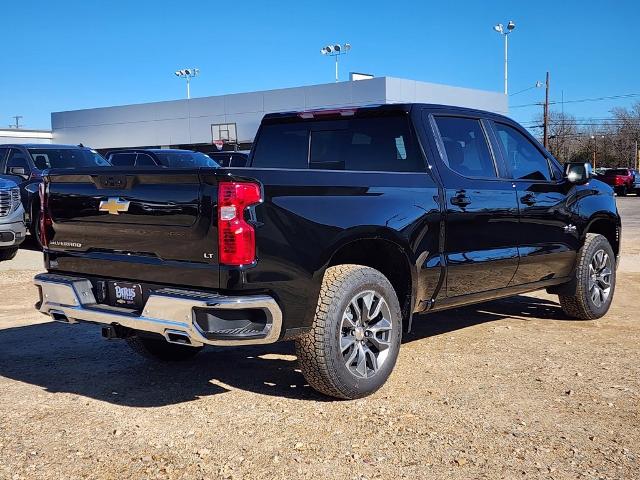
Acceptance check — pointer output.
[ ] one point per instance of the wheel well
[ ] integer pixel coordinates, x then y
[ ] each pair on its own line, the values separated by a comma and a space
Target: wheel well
386, 257
609, 230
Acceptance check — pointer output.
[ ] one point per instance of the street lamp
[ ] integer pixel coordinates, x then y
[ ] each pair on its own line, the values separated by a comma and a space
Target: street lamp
188, 73
335, 51
505, 33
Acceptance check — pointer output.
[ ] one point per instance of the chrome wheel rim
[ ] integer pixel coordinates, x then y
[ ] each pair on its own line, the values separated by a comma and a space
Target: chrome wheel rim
365, 334
600, 271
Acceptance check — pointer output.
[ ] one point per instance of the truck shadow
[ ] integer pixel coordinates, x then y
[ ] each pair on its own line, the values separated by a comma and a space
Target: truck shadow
75, 359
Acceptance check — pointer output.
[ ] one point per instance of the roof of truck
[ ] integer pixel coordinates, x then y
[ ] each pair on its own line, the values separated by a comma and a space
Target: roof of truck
358, 110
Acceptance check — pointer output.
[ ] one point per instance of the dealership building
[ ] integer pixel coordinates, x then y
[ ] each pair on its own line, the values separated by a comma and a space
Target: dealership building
208, 122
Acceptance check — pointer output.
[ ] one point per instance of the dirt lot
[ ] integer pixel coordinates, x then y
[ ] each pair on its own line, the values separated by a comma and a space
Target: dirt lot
508, 389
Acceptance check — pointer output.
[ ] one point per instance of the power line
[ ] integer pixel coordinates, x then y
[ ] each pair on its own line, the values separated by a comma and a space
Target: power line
581, 100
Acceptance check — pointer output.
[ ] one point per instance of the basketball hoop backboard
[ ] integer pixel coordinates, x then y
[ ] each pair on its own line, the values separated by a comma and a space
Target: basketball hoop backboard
223, 132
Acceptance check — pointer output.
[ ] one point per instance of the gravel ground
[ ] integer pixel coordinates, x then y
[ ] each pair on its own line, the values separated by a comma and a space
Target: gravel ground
507, 389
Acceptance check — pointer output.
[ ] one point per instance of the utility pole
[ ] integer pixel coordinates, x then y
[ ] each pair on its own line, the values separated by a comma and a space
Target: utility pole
637, 157
545, 135
17, 125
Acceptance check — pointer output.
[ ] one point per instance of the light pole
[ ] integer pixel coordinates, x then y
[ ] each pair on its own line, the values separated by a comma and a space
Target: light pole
505, 33
335, 51
188, 73
595, 149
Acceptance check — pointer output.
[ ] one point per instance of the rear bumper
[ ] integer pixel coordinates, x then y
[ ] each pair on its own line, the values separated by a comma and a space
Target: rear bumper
167, 312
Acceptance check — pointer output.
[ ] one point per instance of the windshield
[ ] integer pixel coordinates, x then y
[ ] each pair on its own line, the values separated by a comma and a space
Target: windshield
617, 171
185, 159
66, 158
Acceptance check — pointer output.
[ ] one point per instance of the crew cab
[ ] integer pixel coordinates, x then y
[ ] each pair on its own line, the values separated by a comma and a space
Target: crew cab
345, 226
623, 180
160, 157
24, 164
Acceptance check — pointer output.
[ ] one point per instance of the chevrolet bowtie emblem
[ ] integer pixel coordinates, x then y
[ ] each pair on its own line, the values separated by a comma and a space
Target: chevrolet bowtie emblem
114, 205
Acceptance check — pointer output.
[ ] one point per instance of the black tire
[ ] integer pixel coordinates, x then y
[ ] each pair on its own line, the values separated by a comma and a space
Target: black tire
34, 228
581, 305
319, 352
160, 349
8, 253
622, 192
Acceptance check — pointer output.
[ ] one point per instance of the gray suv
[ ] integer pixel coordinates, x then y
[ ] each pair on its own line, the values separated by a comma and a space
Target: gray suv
12, 226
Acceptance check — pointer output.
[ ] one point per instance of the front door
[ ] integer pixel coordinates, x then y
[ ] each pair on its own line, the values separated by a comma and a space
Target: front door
548, 235
481, 211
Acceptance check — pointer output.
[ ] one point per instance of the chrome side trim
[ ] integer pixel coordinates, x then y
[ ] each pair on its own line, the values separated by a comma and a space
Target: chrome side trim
166, 310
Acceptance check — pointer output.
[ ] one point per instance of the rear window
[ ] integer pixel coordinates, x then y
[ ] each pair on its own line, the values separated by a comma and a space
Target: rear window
122, 159
185, 159
616, 171
363, 144
46, 158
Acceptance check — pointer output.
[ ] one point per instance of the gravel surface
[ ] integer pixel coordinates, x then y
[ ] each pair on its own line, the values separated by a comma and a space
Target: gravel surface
507, 389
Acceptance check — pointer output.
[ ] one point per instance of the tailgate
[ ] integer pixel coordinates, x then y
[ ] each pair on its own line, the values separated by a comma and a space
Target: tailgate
153, 226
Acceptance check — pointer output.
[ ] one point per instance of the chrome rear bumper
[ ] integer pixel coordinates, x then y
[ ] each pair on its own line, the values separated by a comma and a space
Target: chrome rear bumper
168, 312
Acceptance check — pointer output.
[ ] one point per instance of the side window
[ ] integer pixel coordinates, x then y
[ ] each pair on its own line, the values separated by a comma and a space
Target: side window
17, 159
466, 146
282, 146
382, 144
144, 160
524, 158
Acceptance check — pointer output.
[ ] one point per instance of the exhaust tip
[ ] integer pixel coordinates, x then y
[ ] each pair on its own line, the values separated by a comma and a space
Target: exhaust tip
177, 337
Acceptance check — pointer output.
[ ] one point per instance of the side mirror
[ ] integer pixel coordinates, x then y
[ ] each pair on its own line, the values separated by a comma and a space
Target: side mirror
18, 171
578, 172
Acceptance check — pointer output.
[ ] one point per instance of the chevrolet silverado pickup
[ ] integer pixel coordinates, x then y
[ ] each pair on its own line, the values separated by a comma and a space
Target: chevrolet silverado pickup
345, 225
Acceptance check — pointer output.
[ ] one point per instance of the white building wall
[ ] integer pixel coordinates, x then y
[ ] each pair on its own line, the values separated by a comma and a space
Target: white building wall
189, 121
12, 135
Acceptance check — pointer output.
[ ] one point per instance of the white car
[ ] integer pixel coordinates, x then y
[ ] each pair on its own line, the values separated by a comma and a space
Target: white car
12, 226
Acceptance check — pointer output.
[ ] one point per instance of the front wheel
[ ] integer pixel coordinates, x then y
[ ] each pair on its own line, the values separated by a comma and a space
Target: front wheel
8, 253
595, 280
354, 343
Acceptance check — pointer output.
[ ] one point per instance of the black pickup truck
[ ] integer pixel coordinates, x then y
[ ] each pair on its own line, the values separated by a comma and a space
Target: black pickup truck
345, 225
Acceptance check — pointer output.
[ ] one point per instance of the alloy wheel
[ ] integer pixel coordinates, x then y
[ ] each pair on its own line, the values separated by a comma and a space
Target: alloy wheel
600, 271
365, 334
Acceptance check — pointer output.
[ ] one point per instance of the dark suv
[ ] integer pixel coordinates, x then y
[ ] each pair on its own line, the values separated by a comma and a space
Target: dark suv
24, 165
160, 157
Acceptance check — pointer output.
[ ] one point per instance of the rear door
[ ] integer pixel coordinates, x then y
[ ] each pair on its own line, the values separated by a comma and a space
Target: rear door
481, 207
548, 238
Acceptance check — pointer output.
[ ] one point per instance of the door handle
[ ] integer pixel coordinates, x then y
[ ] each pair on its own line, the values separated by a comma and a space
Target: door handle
460, 199
528, 199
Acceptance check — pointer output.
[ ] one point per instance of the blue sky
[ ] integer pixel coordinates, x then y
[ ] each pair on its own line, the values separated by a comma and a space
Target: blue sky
71, 54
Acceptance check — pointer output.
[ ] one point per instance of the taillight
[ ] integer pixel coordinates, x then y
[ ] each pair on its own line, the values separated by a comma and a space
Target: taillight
45, 216
236, 237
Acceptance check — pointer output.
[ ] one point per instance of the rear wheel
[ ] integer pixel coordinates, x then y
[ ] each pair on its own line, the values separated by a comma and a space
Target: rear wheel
622, 191
8, 253
595, 280
160, 349
34, 228
355, 340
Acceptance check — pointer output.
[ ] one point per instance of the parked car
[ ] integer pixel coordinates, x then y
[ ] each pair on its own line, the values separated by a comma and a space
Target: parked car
345, 225
24, 164
12, 227
623, 180
167, 158
230, 159
636, 181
